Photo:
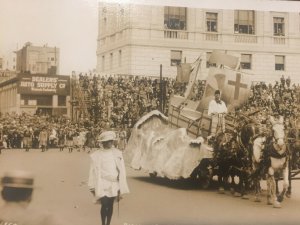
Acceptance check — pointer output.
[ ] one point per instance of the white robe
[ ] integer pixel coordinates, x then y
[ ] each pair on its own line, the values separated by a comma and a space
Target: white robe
107, 173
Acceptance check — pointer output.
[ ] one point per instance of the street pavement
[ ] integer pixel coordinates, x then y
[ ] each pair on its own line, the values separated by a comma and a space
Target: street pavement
62, 190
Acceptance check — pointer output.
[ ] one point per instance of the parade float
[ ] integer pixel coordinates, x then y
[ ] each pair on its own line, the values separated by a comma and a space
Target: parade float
176, 146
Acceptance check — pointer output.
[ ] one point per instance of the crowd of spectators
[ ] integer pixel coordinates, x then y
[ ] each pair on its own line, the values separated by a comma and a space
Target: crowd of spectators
281, 98
120, 101
23, 131
117, 102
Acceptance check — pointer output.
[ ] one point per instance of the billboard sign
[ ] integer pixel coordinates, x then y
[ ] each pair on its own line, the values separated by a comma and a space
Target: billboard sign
44, 85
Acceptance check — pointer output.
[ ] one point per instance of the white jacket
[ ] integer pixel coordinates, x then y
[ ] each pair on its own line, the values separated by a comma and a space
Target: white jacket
96, 180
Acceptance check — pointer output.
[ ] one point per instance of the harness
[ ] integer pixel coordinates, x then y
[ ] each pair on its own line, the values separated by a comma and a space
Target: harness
274, 151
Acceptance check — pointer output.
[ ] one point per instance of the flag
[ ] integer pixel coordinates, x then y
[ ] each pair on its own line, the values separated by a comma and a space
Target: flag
192, 78
234, 86
221, 58
183, 72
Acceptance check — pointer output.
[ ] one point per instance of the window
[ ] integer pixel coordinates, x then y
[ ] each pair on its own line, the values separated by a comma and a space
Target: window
120, 57
52, 58
175, 18
244, 22
176, 57
61, 100
44, 100
208, 54
279, 62
111, 60
104, 24
278, 26
121, 17
246, 61
43, 66
103, 63
211, 22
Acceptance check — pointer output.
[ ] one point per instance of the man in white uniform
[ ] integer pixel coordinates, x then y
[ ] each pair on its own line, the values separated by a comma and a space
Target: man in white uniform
217, 110
107, 177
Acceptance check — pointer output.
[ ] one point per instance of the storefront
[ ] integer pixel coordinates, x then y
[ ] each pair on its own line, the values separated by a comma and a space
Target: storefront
36, 94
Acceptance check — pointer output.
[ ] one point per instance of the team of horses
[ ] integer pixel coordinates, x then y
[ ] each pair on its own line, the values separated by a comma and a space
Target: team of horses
250, 153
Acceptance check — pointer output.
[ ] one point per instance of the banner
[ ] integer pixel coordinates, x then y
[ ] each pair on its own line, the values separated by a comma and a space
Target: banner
234, 87
44, 85
221, 58
183, 72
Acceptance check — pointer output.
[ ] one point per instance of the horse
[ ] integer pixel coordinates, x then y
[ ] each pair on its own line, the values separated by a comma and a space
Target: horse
252, 138
231, 160
270, 157
293, 136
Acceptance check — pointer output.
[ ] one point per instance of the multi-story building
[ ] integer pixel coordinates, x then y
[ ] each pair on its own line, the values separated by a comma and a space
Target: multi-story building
7, 66
8, 62
135, 39
37, 60
35, 93
35, 86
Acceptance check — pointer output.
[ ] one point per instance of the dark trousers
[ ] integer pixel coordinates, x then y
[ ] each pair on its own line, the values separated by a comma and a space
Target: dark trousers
106, 211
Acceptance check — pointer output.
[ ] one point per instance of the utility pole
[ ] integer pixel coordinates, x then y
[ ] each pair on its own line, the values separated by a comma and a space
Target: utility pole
161, 90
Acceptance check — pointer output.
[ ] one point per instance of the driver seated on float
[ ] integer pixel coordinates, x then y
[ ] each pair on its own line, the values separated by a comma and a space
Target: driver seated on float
217, 110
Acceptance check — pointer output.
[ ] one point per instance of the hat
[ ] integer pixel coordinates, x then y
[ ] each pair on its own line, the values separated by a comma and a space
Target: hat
217, 92
107, 136
18, 179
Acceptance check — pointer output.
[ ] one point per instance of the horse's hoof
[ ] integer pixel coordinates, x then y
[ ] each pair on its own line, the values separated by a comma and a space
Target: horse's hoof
269, 202
232, 191
276, 205
245, 197
288, 195
221, 190
236, 194
280, 198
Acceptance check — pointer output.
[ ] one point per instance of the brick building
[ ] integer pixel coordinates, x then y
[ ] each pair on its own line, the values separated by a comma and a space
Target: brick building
37, 59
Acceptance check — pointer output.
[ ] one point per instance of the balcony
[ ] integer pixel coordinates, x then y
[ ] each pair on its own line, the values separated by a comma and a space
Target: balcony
244, 38
211, 37
176, 34
279, 40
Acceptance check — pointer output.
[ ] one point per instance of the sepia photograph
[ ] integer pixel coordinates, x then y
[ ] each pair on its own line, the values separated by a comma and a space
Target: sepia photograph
146, 112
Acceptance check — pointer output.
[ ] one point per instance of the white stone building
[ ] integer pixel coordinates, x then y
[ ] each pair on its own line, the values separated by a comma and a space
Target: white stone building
8, 62
135, 39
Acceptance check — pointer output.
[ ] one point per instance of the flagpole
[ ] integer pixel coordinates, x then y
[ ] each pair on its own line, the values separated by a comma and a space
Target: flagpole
193, 77
161, 90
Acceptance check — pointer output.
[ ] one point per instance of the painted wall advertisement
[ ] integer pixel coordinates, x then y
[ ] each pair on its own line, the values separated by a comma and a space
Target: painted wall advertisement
44, 85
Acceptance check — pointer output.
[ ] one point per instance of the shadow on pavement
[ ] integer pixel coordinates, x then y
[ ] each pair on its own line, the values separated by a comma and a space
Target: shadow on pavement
182, 184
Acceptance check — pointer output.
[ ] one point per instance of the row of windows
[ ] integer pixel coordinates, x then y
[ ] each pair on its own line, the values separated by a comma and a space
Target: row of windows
176, 59
175, 18
111, 60
45, 100
245, 63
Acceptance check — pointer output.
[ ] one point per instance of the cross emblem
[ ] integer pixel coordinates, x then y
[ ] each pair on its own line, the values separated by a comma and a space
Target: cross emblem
237, 85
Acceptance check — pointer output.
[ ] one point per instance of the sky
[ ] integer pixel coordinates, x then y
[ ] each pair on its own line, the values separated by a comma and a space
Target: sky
71, 25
